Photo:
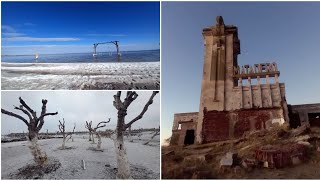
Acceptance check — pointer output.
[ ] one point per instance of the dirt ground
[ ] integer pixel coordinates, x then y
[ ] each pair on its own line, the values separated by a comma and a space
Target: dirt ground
67, 164
203, 161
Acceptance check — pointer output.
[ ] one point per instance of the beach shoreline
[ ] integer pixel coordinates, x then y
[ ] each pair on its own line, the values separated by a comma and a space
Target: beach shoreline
73, 76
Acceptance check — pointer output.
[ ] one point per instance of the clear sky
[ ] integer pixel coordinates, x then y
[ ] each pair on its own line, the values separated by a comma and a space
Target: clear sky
77, 107
284, 32
54, 27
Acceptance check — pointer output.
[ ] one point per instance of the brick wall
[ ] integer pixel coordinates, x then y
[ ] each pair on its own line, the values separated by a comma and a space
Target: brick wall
223, 125
215, 126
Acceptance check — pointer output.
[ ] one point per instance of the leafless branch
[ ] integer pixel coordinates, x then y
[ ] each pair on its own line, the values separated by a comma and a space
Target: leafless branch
47, 114
14, 115
25, 105
70, 134
117, 101
41, 119
131, 96
144, 110
89, 126
43, 110
61, 126
24, 111
100, 126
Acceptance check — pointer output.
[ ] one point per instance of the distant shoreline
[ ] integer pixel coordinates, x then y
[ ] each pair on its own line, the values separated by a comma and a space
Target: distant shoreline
4, 55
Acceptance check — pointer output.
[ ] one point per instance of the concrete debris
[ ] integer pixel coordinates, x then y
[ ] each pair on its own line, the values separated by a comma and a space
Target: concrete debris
229, 159
304, 143
280, 156
83, 165
296, 160
226, 161
300, 130
237, 170
248, 163
302, 138
244, 164
195, 158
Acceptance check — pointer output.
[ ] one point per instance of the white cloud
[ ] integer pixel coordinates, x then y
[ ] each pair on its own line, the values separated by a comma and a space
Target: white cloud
7, 28
29, 24
113, 35
12, 34
25, 38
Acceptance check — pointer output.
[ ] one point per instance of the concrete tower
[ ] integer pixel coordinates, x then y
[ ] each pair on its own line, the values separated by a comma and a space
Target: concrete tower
221, 49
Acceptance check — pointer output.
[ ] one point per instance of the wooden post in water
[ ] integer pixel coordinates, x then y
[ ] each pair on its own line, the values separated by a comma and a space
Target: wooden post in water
118, 52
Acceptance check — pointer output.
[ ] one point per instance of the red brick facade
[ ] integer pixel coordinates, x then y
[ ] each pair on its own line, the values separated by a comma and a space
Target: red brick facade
224, 125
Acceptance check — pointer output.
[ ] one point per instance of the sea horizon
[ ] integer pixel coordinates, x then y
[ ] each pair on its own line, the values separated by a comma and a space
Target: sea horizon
85, 57
79, 52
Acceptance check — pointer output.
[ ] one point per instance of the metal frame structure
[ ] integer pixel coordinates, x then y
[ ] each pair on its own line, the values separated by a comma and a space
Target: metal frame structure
116, 43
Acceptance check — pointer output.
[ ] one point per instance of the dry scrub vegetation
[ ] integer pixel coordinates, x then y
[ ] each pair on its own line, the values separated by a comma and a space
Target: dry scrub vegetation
203, 161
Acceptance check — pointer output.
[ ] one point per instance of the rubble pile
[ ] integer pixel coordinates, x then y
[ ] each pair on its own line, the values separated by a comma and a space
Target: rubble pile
277, 156
277, 152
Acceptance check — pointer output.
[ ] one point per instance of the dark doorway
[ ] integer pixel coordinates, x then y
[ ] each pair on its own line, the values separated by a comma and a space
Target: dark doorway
314, 119
189, 138
294, 119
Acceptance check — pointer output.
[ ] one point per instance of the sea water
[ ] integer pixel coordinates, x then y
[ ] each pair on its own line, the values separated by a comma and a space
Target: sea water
126, 56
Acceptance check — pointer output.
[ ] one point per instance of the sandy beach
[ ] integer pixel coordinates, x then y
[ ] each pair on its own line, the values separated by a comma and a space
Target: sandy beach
59, 76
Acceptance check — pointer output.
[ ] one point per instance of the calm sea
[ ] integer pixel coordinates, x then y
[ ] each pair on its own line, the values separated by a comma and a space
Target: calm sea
126, 56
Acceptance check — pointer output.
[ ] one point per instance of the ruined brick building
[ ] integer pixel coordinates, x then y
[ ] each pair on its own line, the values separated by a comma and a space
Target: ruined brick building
235, 99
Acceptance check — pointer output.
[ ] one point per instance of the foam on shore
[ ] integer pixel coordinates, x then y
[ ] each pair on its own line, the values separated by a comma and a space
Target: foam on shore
41, 76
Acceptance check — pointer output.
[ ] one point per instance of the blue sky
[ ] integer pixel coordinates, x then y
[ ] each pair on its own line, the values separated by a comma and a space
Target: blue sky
53, 27
284, 32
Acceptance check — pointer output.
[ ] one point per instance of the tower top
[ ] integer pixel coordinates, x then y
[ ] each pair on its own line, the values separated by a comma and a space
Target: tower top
219, 20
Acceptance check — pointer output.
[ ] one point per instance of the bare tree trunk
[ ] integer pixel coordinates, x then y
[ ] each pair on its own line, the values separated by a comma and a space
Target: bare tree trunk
64, 143
90, 136
39, 157
124, 171
130, 137
99, 141
62, 129
94, 131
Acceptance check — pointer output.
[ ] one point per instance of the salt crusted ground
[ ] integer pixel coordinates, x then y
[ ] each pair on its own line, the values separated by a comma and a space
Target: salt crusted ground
144, 159
126, 75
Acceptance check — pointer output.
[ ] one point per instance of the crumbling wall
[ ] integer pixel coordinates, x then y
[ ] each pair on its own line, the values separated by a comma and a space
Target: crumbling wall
299, 114
183, 117
215, 126
175, 137
224, 125
187, 121
281, 156
184, 127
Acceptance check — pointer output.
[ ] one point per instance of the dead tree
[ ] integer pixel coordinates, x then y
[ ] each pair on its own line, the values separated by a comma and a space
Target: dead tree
129, 133
122, 106
89, 127
154, 135
64, 134
94, 130
34, 126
